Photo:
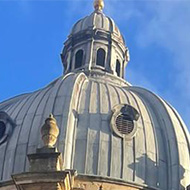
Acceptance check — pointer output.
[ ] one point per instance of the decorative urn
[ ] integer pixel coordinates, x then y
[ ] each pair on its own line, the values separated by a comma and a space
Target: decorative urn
50, 131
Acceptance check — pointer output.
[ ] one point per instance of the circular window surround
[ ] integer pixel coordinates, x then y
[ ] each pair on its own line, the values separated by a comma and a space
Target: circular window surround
117, 111
9, 125
4, 135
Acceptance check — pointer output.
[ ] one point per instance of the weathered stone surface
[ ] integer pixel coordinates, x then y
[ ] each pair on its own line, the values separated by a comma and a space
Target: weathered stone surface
43, 180
46, 159
100, 183
65, 180
45, 162
50, 131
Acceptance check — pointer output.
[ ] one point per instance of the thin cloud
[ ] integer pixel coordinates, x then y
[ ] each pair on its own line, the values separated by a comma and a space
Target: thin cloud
170, 28
164, 24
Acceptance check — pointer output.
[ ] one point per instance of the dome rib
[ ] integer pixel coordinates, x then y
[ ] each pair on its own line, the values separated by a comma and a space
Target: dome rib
96, 21
32, 133
71, 117
182, 124
174, 149
161, 123
4, 151
150, 173
13, 142
101, 131
20, 144
123, 99
140, 147
80, 145
12, 101
82, 105
144, 134
79, 104
115, 142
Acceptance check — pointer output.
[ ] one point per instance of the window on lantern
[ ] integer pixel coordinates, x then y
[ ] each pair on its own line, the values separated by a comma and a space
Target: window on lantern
70, 66
118, 68
78, 59
100, 60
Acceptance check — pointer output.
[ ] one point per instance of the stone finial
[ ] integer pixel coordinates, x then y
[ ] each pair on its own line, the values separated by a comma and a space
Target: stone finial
50, 131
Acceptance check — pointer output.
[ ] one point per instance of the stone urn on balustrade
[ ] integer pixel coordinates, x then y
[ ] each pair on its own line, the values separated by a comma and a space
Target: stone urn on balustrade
50, 132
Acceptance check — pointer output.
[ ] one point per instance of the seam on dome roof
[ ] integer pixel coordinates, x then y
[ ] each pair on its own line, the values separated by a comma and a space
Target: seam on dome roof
102, 17
144, 131
7, 144
28, 106
42, 94
14, 98
182, 124
162, 103
111, 24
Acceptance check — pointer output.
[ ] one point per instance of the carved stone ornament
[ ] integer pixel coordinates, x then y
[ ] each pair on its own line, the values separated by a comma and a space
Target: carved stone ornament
50, 131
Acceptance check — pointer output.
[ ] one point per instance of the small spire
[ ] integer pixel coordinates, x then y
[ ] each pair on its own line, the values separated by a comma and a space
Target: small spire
98, 5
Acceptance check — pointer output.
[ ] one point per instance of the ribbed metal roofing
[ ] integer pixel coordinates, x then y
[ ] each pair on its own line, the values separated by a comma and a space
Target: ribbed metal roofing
97, 20
158, 156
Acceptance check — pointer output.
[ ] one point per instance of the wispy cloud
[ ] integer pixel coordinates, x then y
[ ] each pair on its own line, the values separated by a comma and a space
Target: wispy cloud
170, 28
164, 24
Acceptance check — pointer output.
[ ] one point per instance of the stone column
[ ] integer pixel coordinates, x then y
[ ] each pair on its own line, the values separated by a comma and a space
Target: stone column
46, 165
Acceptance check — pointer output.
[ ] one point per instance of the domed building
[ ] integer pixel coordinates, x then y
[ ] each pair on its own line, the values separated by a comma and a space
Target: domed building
112, 135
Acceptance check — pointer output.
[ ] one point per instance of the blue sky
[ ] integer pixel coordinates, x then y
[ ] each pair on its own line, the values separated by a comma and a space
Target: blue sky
157, 34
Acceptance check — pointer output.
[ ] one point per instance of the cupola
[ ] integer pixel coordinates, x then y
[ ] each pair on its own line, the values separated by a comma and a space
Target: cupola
95, 43
115, 135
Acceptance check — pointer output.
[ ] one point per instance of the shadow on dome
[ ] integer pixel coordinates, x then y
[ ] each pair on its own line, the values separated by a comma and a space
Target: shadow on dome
154, 175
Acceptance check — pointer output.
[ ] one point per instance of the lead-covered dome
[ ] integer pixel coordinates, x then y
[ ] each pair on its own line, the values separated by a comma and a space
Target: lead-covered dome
108, 129
97, 21
156, 156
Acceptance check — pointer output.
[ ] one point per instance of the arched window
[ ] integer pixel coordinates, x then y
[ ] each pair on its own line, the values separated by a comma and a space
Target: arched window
100, 59
70, 66
78, 59
118, 68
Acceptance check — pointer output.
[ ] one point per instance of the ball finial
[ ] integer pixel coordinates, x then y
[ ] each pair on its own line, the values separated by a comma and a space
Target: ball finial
98, 5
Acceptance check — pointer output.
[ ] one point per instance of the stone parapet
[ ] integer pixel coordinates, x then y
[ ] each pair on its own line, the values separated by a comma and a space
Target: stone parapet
58, 180
45, 159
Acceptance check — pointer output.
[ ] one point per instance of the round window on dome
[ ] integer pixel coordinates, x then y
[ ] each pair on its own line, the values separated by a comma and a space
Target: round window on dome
125, 124
124, 121
6, 126
2, 129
